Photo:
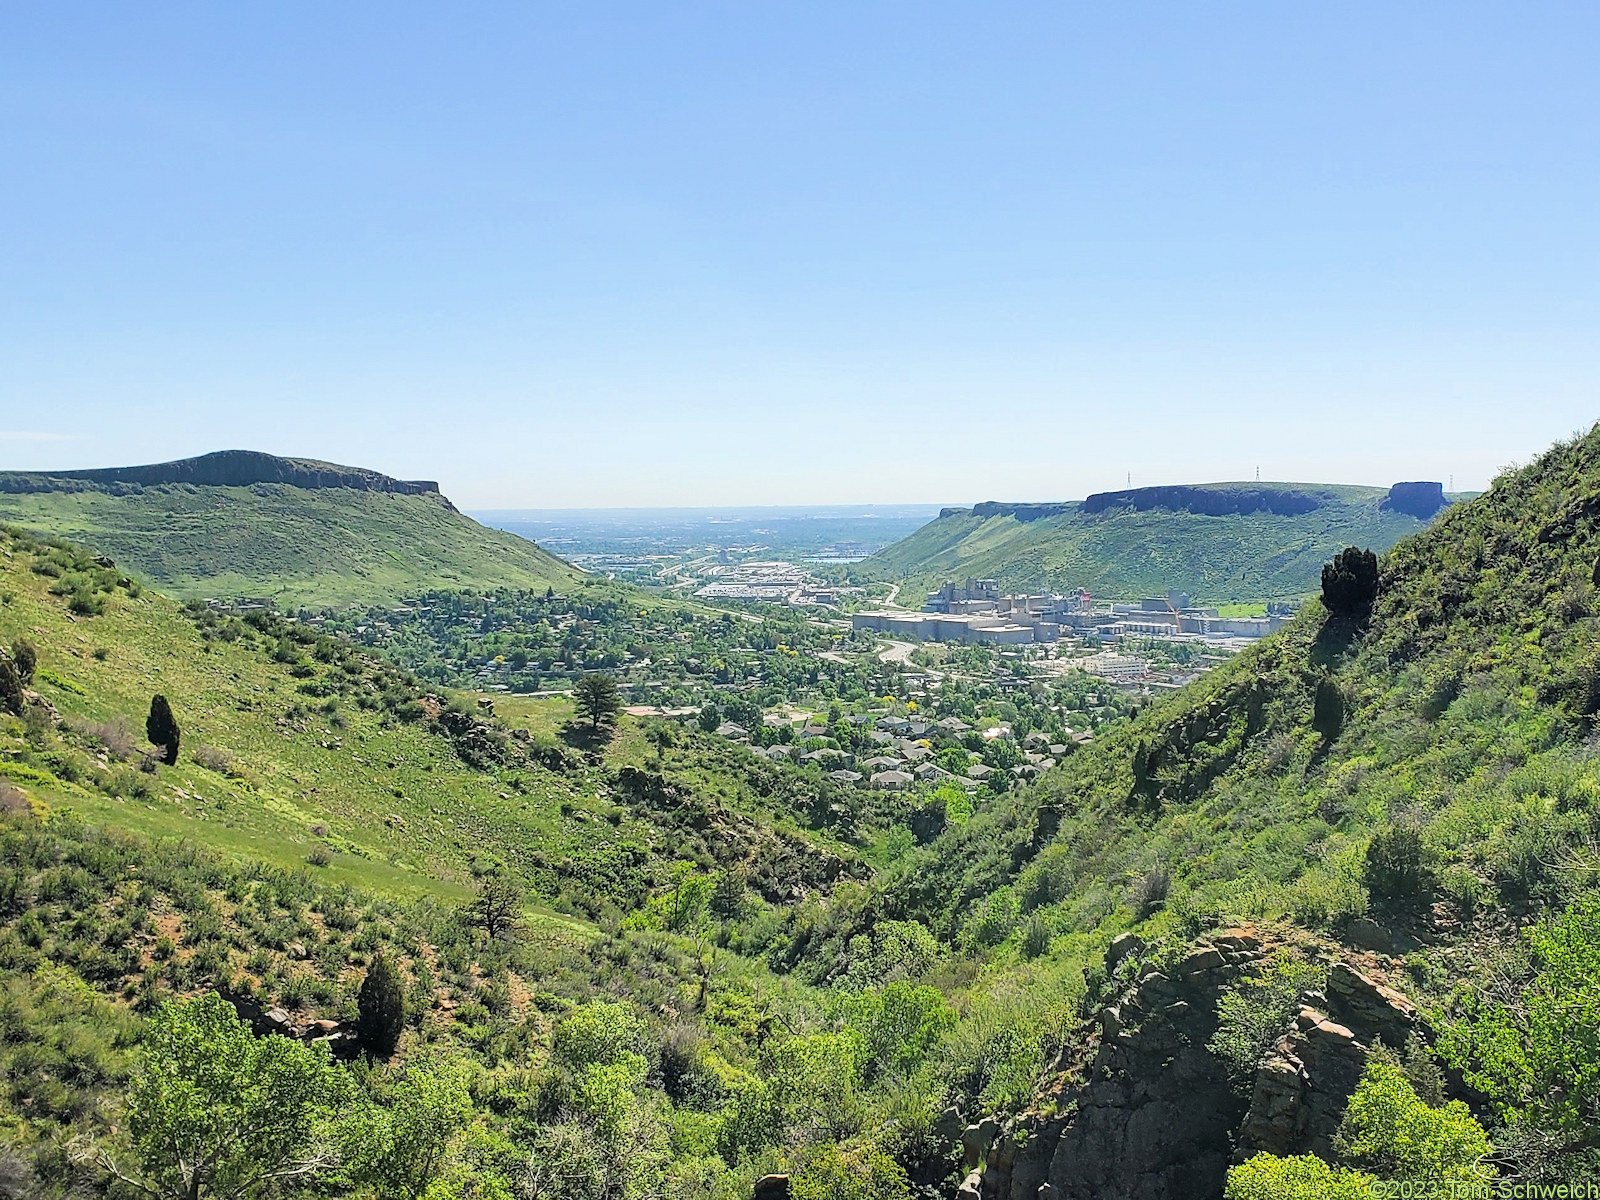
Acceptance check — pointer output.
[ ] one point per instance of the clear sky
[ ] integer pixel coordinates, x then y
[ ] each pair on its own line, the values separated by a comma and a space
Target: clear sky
748, 253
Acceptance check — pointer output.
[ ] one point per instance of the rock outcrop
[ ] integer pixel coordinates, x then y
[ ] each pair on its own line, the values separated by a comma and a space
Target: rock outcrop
1302, 1088
1151, 1115
1143, 1111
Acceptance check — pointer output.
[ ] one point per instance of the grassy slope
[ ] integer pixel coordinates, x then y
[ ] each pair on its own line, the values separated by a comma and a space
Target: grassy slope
1471, 704
1125, 554
327, 547
403, 812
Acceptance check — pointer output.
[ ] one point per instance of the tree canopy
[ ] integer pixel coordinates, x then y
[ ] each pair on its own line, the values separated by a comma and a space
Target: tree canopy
215, 1112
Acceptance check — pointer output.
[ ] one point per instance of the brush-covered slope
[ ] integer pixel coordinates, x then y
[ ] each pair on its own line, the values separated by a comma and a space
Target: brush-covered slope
1413, 789
1221, 543
296, 744
239, 524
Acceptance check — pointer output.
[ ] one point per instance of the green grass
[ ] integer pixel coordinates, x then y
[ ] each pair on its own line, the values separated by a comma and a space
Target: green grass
1123, 554
313, 757
316, 547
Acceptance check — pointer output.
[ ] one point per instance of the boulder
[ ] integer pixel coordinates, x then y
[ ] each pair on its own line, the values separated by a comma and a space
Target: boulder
975, 1143
771, 1187
1241, 939
1369, 1008
1110, 1022
1121, 946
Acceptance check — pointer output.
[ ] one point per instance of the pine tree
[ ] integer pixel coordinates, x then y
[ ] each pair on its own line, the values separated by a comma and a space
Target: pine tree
597, 699
161, 727
380, 1008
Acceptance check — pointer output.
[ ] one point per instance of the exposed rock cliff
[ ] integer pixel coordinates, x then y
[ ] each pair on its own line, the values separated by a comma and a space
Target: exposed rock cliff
1142, 1110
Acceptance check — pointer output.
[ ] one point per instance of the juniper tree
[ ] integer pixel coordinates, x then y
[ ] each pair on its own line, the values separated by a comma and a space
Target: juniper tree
26, 659
161, 727
380, 1008
10, 685
1350, 582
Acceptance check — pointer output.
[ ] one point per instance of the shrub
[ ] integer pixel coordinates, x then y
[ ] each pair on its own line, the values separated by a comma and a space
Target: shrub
161, 727
318, 856
1395, 868
212, 758
1534, 1054
1388, 1128
1327, 709
1036, 936
862, 1173
1253, 1013
116, 736
1150, 892
26, 659
11, 698
1301, 1177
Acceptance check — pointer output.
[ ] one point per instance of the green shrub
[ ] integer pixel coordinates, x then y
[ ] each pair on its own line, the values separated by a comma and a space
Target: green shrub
830, 1172
1256, 1011
1327, 709
1036, 936
1389, 1129
1396, 867
1302, 1177
26, 659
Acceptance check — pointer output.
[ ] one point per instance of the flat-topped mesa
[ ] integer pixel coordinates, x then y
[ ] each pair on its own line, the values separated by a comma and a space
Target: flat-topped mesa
223, 468
1420, 500
1216, 500
1023, 512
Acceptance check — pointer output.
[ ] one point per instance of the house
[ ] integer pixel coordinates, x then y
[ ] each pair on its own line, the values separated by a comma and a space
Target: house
954, 725
729, 730
843, 776
814, 730
979, 771
917, 728
915, 753
929, 772
892, 781
882, 762
775, 753
881, 738
819, 755
893, 724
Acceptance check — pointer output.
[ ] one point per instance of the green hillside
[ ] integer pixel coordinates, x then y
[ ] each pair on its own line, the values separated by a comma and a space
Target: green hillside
300, 533
1358, 862
1148, 545
296, 742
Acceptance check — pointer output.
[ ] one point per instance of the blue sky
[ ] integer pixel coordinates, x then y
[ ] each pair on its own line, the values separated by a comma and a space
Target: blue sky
746, 253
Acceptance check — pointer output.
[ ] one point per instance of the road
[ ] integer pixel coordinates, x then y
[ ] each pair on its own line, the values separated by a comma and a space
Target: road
899, 652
